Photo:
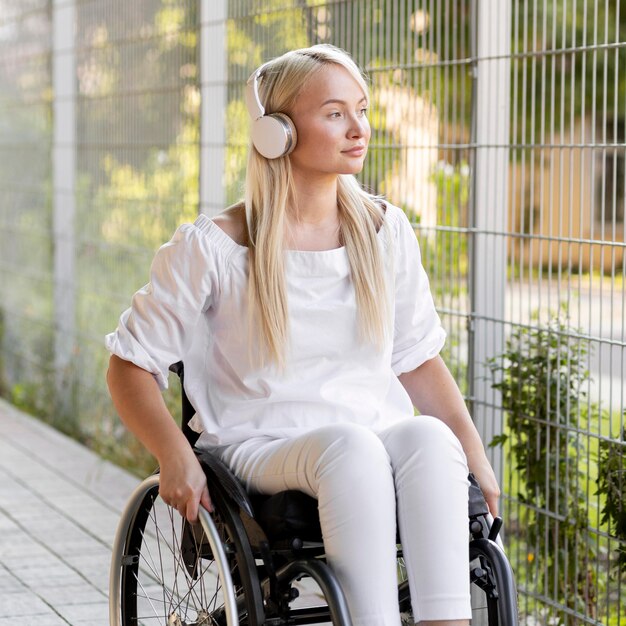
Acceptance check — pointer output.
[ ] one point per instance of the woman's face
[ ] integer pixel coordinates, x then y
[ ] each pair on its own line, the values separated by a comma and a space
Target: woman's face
330, 115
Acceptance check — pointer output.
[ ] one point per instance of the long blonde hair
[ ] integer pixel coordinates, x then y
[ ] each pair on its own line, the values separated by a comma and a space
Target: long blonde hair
270, 189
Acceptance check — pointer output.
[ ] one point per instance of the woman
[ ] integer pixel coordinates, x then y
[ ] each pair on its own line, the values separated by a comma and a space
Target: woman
308, 333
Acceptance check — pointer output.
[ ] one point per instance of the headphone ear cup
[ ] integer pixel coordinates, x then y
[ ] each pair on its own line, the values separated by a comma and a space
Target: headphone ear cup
274, 135
290, 128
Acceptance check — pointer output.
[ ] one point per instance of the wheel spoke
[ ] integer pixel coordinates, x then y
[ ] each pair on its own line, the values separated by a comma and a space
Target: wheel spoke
147, 597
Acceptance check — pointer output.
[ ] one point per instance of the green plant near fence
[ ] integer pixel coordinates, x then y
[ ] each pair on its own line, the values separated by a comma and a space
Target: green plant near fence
555, 465
612, 484
541, 376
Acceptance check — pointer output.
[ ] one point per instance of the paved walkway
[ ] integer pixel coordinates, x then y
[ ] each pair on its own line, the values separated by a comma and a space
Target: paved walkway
59, 506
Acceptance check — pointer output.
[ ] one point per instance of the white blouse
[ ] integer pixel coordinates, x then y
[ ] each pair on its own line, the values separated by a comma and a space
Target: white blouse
194, 309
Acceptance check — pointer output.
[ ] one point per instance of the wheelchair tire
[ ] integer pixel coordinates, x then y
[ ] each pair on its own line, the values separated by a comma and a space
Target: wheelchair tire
494, 595
493, 591
166, 571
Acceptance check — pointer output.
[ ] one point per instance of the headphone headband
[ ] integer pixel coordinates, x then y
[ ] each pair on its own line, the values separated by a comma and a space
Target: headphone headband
253, 101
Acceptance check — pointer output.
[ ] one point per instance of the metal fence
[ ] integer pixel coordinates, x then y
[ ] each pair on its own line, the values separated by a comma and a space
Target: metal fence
565, 307
498, 127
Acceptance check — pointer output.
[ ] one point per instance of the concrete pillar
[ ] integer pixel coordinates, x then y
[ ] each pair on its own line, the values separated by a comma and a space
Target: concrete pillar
63, 189
491, 113
214, 97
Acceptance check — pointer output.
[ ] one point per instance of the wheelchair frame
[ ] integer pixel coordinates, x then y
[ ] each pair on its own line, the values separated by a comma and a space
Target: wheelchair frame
254, 575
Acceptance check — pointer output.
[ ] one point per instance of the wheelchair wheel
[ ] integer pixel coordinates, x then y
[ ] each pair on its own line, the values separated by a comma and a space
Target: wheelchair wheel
167, 571
492, 588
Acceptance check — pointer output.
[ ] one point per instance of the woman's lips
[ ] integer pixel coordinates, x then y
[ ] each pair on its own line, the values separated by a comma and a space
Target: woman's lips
356, 151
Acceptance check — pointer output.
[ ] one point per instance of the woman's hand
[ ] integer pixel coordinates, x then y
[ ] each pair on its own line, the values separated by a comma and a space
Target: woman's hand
481, 468
182, 484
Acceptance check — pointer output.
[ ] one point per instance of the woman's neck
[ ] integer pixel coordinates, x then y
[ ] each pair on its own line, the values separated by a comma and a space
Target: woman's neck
315, 200
313, 221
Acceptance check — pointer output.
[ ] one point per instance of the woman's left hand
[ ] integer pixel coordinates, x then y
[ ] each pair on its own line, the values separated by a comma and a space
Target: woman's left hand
481, 468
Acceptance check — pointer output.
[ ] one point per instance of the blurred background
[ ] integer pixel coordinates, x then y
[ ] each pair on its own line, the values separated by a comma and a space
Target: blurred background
499, 127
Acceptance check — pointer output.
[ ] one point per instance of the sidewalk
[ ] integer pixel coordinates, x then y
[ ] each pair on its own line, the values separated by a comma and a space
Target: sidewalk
59, 506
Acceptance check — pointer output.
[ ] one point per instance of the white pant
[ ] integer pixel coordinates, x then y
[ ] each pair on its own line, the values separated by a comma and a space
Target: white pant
417, 469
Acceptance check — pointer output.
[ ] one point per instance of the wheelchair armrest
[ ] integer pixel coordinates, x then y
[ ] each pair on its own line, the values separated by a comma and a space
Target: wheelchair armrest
477, 503
220, 478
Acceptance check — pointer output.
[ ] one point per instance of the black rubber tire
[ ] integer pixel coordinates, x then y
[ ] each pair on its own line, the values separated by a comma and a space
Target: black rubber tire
498, 605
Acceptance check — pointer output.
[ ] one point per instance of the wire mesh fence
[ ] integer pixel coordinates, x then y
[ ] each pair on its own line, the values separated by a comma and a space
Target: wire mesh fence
565, 308
498, 127
26, 317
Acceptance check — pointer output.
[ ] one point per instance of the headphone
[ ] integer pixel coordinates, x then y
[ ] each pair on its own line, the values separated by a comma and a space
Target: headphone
273, 135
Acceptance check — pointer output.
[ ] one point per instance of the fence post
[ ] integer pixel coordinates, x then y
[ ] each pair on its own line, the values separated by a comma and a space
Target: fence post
491, 38
213, 98
63, 198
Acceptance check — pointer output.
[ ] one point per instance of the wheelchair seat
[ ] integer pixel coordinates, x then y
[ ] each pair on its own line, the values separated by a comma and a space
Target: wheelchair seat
292, 516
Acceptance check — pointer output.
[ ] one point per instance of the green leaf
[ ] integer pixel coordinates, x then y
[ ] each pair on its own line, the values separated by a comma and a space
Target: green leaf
498, 440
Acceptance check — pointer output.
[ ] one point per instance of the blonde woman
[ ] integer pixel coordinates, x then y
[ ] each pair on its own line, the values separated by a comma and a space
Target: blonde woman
308, 333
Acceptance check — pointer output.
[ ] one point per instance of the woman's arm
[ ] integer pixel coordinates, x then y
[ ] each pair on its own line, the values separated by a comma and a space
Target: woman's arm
140, 404
434, 391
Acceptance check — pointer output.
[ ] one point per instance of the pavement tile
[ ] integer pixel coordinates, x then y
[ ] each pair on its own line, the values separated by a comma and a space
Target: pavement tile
61, 531
37, 577
61, 595
10, 584
77, 613
59, 509
49, 619
22, 604
67, 458
12, 554
69, 547
11, 534
28, 510
6, 525
70, 500
95, 569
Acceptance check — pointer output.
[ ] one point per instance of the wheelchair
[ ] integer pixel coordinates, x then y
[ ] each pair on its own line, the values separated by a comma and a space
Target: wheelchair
259, 560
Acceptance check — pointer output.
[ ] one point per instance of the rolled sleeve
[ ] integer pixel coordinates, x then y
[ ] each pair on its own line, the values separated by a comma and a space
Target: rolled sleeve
418, 334
157, 329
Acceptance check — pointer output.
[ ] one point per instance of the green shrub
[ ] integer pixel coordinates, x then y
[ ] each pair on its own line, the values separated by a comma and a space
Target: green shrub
541, 377
612, 486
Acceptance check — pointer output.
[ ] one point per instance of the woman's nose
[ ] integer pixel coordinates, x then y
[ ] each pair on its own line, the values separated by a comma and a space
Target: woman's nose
358, 127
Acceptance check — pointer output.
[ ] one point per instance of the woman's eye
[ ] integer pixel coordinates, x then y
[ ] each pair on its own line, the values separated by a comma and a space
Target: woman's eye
335, 114
363, 111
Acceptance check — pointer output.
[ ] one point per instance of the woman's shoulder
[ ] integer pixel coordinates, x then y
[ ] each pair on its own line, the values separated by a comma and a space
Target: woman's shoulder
232, 222
394, 218
220, 236
391, 212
